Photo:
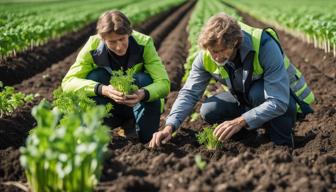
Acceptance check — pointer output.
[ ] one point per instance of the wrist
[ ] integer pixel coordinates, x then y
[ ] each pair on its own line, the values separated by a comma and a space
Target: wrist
241, 121
142, 94
146, 96
103, 90
169, 129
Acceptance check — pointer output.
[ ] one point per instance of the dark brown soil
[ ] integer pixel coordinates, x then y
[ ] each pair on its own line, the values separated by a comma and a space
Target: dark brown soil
169, 23
148, 26
246, 165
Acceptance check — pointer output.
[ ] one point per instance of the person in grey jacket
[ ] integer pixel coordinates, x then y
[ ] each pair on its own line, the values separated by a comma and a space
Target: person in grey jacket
264, 88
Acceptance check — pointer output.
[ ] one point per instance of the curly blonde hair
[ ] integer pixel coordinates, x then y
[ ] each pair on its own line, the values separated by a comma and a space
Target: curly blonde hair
220, 29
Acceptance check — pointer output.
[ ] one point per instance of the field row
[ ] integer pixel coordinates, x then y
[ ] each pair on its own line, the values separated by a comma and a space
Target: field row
312, 21
26, 25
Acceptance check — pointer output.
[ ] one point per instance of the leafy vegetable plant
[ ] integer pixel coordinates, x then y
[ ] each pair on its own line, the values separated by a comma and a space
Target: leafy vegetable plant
65, 155
194, 117
10, 100
123, 82
200, 163
207, 138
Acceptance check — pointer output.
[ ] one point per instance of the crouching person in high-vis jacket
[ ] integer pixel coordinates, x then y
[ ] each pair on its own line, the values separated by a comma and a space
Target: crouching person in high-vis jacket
265, 89
116, 46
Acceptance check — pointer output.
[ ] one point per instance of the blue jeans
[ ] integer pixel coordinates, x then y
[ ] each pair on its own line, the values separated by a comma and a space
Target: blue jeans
145, 114
224, 107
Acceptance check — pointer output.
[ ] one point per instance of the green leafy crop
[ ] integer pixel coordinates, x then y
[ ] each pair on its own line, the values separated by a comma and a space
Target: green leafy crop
67, 154
25, 25
194, 117
65, 151
72, 102
10, 100
123, 82
207, 138
200, 163
75, 103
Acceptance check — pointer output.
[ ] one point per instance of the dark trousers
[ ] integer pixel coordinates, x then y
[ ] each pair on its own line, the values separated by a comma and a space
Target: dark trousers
224, 107
145, 114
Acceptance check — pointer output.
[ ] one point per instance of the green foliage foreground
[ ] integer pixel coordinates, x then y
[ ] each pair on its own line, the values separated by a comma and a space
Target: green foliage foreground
64, 152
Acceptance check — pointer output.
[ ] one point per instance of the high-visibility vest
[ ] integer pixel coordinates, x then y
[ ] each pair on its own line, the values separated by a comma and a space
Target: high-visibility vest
297, 82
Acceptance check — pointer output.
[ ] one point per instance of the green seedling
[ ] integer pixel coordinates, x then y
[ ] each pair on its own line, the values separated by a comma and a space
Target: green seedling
10, 99
123, 82
207, 138
200, 163
194, 117
74, 102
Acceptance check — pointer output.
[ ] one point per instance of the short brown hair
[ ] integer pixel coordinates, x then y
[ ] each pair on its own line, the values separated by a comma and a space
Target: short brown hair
114, 21
220, 29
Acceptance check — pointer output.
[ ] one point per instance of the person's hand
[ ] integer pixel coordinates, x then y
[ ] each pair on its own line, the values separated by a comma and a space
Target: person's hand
135, 98
110, 92
162, 136
226, 129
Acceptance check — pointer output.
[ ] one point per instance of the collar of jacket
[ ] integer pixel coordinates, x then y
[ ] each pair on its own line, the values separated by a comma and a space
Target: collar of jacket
246, 46
101, 56
246, 56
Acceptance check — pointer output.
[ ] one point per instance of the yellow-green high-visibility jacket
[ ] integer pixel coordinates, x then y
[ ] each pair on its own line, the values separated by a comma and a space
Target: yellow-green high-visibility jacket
143, 57
297, 82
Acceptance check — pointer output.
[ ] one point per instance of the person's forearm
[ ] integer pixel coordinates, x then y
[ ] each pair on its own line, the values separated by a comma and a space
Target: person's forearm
182, 107
191, 92
268, 110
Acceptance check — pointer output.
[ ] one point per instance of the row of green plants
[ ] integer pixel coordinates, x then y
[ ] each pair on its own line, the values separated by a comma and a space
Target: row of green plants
17, 32
27, 25
312, 21
65, 151
142, 10
202, 12
10, 99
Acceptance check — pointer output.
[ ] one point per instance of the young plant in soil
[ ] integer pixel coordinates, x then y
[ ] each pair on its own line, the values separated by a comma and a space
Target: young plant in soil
10, 100
207, 138
123, 82
200, 163
194, 117
67, 154
74, 102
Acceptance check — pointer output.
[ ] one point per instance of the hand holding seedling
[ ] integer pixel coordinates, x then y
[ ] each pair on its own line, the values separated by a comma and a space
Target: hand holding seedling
110, 92
226, 129
122, 89
135, 98
120, 98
